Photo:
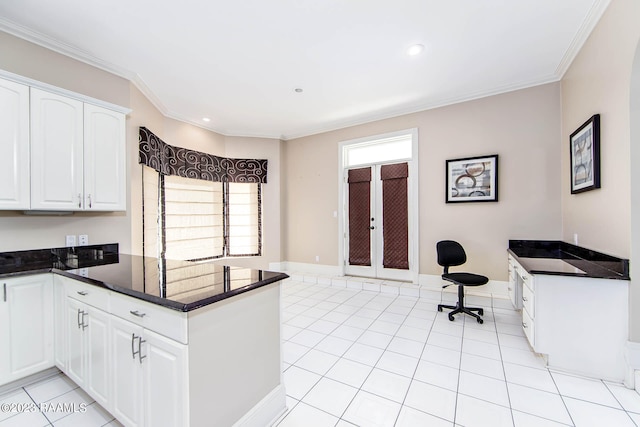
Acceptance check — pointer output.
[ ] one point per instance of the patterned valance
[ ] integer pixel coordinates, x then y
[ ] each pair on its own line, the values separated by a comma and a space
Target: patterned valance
170, 160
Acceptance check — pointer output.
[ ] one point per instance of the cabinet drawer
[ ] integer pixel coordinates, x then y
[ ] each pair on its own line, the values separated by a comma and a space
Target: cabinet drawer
528, 325
88, 294
527, 279
170, 323
528, 301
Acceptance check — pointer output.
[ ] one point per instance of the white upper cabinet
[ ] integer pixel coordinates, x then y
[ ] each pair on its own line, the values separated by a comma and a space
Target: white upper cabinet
59, 152
14, 145
104, 159
56, 152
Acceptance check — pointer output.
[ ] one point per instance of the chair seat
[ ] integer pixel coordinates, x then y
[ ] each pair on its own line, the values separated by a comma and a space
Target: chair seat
466, 279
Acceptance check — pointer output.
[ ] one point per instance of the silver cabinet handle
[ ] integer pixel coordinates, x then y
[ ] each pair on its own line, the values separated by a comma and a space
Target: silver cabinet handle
4, 285
83, 293
137, 313
133, 352
84, 326
524, 299
524, 325
89, 197
140, 356
78, 319
79, 200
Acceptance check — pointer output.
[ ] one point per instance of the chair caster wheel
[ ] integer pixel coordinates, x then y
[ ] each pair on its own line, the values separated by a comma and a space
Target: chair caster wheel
481, 312
451, 318
440, 309
480, 321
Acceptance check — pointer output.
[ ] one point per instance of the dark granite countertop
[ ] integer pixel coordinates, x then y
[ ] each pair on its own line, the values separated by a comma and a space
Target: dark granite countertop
555, 257
179, 285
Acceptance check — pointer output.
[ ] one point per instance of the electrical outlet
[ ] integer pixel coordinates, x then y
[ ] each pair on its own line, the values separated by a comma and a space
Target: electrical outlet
70, 240
83, 240
317, 258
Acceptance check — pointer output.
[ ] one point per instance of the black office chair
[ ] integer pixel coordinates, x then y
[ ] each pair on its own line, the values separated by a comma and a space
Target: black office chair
451, 253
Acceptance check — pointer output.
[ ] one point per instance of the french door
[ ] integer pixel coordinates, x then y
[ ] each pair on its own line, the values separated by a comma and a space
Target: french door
378, 237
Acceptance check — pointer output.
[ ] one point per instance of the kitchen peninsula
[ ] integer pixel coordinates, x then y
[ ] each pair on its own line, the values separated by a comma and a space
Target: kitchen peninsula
574, 305
153, 341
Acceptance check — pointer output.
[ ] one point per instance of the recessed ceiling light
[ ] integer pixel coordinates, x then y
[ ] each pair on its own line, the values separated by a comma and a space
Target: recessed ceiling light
298, 90
414, 50
206, 119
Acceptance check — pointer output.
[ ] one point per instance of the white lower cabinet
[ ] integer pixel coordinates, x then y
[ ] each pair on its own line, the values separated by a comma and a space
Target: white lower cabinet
148, 365
88, 349
150, 377
26, 326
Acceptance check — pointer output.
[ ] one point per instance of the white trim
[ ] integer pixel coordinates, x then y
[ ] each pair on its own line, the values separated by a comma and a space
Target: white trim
267, 411
496, 288
413, 193
581, 36
632, 358
304, 268
63, 92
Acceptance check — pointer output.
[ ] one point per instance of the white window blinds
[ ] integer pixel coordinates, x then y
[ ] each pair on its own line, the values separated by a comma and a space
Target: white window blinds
244, 219
193, 218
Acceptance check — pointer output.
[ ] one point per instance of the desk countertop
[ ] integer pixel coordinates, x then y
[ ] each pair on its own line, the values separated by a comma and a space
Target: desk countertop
560, 258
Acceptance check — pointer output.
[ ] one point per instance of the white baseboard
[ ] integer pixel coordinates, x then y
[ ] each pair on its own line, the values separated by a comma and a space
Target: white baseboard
495, 288
267, 411
427, 283
632, 357
305, 268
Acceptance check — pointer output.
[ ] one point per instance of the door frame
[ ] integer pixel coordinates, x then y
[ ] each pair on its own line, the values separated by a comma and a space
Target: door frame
412, 190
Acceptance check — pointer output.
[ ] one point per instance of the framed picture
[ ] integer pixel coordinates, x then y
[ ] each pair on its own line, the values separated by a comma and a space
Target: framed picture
473, 179
585, 156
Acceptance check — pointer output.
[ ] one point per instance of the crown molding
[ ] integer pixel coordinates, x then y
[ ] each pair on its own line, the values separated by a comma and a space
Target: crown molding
581, 36
419, 107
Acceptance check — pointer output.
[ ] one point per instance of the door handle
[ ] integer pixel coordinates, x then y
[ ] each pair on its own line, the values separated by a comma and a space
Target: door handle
371, 228
133, 352
140, 356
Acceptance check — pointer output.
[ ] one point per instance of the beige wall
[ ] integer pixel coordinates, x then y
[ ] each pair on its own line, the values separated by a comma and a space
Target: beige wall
522, 127
599, 81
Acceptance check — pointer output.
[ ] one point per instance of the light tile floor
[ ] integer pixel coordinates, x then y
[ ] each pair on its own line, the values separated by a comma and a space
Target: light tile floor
363, 358
360, 358
54, 401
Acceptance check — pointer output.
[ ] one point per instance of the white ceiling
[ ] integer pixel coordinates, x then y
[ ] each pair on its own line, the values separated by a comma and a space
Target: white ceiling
238, 62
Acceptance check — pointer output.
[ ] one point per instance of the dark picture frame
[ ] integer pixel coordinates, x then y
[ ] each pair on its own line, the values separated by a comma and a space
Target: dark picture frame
472, 179
584, 151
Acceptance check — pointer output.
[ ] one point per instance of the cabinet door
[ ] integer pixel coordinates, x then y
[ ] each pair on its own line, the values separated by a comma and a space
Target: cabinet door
14, 145
104, 159
97, 355
56, 152
126, 373
76, 365
27, 326
166, 387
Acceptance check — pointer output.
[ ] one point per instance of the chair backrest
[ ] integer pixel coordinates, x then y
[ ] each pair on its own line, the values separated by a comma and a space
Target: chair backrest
450, 253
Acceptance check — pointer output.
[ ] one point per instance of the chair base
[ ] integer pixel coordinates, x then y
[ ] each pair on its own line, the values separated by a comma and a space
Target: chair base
460, 307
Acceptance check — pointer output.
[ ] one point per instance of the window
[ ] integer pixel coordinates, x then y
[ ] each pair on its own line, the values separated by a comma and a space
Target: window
193, 219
